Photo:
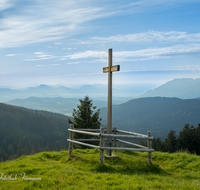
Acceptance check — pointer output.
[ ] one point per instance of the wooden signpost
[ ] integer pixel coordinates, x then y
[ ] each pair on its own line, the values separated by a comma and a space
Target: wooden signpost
109, 70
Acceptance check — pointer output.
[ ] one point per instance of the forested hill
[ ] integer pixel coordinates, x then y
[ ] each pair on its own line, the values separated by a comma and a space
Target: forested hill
159, 115
25, 131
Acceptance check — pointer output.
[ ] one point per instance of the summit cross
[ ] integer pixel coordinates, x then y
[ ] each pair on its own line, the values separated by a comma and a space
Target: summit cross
109, 70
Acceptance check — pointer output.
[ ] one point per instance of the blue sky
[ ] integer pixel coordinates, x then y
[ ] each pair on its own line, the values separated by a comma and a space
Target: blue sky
67, 42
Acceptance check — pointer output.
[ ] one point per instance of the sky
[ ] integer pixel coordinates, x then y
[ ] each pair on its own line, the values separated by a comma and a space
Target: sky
66, 42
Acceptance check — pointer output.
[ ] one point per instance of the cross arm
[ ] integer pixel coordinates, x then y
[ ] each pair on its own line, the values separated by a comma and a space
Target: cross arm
113, 69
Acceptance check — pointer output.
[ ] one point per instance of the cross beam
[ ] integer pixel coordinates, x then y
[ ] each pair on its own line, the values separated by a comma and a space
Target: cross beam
109, 70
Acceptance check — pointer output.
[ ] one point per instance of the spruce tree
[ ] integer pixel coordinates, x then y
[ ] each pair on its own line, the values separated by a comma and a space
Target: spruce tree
171, 142
188, 139
85, 117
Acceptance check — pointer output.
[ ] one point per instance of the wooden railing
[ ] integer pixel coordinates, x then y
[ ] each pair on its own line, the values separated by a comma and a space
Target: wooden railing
115, 137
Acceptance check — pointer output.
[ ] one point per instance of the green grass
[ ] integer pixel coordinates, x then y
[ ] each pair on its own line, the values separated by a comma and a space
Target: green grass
129, 170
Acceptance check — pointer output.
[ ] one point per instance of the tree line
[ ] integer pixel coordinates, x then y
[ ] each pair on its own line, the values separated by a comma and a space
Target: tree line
188, 140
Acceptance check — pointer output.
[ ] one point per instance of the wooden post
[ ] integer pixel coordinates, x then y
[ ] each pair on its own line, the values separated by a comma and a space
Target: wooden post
101, 157
71, 137
149, 145
115, 139
109, 117
109, 70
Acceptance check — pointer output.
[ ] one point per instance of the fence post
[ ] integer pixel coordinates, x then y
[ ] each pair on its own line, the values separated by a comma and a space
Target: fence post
101, 157
71, 137
149, 145
115, 139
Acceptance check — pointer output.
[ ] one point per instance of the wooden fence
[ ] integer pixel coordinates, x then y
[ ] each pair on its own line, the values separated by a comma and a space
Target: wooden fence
101, 134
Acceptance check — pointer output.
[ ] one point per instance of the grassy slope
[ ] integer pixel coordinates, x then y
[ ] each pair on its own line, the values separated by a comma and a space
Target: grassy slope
82, 171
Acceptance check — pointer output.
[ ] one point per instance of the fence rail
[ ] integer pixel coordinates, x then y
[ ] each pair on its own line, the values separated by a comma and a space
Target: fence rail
84, 132
131, 133
101, 134
138, 145
127, 136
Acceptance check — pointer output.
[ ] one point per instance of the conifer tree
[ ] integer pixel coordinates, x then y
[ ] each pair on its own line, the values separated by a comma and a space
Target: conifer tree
85, 117
171, 142
188, 138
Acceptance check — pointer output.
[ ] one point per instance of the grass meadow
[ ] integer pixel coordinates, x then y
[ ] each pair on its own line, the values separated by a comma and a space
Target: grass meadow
128, 170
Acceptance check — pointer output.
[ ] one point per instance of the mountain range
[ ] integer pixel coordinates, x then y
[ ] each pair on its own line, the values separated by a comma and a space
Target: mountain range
185, 88
157, 114
97, 91
156, 110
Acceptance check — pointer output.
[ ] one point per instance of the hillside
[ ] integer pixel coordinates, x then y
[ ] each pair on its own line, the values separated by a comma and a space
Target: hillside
57, 104
185, 88
159, 115
129, 170
25, 131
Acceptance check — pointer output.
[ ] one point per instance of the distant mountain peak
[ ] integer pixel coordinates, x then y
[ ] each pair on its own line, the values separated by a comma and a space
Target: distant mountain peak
43, 86
185, 88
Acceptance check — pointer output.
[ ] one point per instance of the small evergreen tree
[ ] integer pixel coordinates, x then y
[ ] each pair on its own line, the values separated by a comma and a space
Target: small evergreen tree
188, 138
158, 144
198, 139
85, 117
171, 142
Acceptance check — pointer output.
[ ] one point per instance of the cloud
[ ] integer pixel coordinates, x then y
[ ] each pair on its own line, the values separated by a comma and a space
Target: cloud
123, 56
147, 37
40, 56
41, 65
144, 54
181, 68
5, 4
38, 21
73, 63
87, 54
3, 73
54, 64
11, 55
177, 50
142, 6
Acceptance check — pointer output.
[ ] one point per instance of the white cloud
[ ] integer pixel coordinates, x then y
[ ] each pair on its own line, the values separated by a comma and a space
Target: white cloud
40, 56
41, 65
2, 73
144, 54
38, 21
30, 59
41, 21
11, 55
147, 37
5, 4
53, 64
87, 54
73, 63
99, 73
153, 5
176, 50
123, 56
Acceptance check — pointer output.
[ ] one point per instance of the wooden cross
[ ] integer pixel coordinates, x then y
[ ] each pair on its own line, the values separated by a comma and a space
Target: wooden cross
109, 70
